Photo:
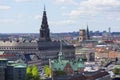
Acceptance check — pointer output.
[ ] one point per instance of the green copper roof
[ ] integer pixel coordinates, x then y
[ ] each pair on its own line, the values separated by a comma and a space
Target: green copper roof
18, 65
3, 59
60, 65
116, 66
77, 64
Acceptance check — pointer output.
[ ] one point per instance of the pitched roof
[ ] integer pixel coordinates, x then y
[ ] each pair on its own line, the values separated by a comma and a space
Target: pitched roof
60, 64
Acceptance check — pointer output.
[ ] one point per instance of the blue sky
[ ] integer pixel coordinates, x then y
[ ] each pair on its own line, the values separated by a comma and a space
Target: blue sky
24, 16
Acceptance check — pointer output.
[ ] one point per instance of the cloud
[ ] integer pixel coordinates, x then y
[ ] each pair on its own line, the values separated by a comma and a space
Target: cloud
65, 22
66, 2
96, 7
37, 17
90, 3
62, 1
116, 16
3, 7
24, 0
75, 13
68, 22
63, 7
100, 5
7, 21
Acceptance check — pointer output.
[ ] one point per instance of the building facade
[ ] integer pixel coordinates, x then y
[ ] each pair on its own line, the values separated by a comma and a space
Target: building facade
12, 70
3, 65
84, 35
85, 53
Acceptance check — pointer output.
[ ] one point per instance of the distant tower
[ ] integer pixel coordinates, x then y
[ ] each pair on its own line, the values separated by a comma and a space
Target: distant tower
109, 30
87, 33
82, 35
109, 33
44, 30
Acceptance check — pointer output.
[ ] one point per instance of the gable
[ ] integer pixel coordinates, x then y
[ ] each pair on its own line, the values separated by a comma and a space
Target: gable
68, 67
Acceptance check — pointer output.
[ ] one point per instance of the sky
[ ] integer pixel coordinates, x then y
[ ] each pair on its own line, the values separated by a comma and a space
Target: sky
24, 16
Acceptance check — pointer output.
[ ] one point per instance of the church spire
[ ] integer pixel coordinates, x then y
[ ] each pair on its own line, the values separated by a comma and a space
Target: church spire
87, 32
44, 30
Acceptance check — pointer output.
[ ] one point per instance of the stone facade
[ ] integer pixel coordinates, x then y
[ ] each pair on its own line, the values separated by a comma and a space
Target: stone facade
84, 35
85, 53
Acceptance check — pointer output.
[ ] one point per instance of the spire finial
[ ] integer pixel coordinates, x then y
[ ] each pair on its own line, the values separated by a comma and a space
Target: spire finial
44, 8
87, 24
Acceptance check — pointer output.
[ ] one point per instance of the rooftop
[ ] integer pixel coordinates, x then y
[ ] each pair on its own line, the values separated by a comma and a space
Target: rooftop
60, 63
15, 43
17, 65
84, 51
116, 66
3, 59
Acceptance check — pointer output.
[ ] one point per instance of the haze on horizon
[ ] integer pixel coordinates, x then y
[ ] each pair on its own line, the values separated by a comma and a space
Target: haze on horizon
24, 16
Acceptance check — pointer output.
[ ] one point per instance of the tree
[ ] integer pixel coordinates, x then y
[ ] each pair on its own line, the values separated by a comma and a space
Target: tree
116, 71
28, 73
35, 73
47, 71
32, 73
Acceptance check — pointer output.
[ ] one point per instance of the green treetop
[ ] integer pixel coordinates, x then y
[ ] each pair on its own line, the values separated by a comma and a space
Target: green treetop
32, 73
47, 71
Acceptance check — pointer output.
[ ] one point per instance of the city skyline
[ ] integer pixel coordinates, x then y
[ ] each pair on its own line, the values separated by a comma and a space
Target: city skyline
24, 16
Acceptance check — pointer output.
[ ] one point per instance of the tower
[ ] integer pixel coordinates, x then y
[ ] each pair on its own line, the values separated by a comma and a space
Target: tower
82, 35
87, 33
44, 30
109, 33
